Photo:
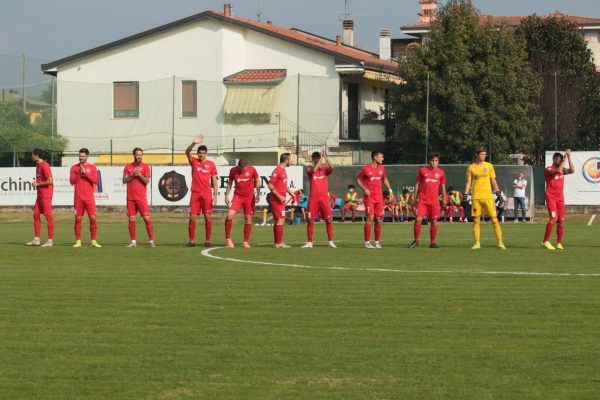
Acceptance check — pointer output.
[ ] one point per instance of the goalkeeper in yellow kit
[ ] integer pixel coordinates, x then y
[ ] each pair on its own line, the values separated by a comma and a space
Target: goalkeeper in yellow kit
481, 177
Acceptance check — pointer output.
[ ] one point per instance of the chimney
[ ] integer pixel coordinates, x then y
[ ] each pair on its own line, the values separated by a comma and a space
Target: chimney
228, 10
348, 26
385, 45
338, 40
428, 8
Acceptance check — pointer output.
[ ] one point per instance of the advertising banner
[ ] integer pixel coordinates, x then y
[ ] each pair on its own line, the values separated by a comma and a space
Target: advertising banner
171, 186
582, 187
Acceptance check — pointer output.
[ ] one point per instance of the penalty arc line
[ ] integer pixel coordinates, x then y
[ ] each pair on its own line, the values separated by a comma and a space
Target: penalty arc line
207, 253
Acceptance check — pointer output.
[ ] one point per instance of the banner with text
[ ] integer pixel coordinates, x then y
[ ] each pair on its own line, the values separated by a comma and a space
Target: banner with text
582, 187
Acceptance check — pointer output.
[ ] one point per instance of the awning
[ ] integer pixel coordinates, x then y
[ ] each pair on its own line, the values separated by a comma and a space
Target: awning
382, 77
249, 99
152, 159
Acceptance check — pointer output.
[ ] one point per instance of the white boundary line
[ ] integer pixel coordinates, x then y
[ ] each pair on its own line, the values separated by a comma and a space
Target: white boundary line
591, 221
207, 253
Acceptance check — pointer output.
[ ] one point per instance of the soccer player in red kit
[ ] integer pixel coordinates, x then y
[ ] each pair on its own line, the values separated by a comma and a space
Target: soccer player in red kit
137, 176
246, 181
319, 197
84, 177
44, 184
278, 185
370, 180
555, 197
204, 190
427, 188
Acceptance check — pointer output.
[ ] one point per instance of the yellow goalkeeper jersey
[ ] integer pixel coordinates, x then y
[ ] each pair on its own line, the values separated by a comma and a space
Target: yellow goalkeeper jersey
479, 175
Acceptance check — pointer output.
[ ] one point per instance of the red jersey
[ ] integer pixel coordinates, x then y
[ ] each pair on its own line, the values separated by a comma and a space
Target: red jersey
202, 173
319, 184
372, 177
279, 182
136, 189
42, 173
84, 181
244, 181
555, 183
430, 181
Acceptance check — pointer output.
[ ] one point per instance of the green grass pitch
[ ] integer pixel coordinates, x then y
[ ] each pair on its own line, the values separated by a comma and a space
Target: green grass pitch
170, 323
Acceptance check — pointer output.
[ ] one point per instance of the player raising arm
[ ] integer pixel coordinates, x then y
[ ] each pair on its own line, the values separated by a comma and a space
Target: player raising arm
555, 197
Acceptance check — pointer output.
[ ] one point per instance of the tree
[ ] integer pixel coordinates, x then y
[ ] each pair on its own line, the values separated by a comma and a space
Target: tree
482, 90
18, 137
558, 54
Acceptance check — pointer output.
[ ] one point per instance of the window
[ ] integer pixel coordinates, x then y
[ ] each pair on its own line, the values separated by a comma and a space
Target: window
189, 94
126, 99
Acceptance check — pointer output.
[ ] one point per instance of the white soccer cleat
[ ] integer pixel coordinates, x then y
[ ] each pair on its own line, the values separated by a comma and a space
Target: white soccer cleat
34, 242
132, 244
152, 244
377, 244
308, 245
368, 245
331, 244
284, 246
48, 243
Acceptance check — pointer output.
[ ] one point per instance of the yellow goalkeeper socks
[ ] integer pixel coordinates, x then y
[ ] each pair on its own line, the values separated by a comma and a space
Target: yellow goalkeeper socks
497, 229
476, 229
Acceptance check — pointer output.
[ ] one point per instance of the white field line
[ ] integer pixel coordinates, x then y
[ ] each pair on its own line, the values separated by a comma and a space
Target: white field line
591, 221
207, 253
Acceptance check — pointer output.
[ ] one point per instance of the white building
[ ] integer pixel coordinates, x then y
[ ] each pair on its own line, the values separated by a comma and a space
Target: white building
229, 78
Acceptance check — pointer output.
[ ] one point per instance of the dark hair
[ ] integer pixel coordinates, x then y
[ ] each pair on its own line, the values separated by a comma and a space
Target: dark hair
351, 187
38, 152
201, 148
316, 155
480, 149
434, 155
404, 191
386, 193
558, 155
242, 162
374, 154
84, 150
284, 157
137, 149
450, 188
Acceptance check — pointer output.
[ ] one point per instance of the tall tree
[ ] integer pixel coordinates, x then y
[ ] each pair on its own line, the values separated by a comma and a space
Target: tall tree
571, 87
482, 90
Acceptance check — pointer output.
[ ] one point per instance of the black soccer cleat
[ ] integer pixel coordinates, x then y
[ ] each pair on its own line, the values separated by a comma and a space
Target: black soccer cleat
413, 244
434, 246
207, 244
190, 244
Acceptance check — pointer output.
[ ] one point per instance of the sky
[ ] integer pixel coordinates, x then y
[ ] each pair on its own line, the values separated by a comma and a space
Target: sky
46, 30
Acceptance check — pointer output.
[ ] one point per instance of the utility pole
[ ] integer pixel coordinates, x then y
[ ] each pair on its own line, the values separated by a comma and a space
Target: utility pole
24, 83
555, 111
427, 123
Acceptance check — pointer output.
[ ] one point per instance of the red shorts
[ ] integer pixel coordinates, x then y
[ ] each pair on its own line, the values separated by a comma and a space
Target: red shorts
374, 208
349, 207
200, 203
319, 206
43, 205
556, 208
431, 211
278, 209
133, 206
247, 203
83, 206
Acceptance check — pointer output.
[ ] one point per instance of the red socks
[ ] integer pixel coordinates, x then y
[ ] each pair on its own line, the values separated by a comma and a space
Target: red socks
329, 231
93, 228
192, 230
310, 229
132, 229
149, 228
247, 230
433, 233
417, 231
37, 225
228, 224
50, 222
78, 228
278, 229
377, 232
549, 228
367, 232
208, 229
560, 231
